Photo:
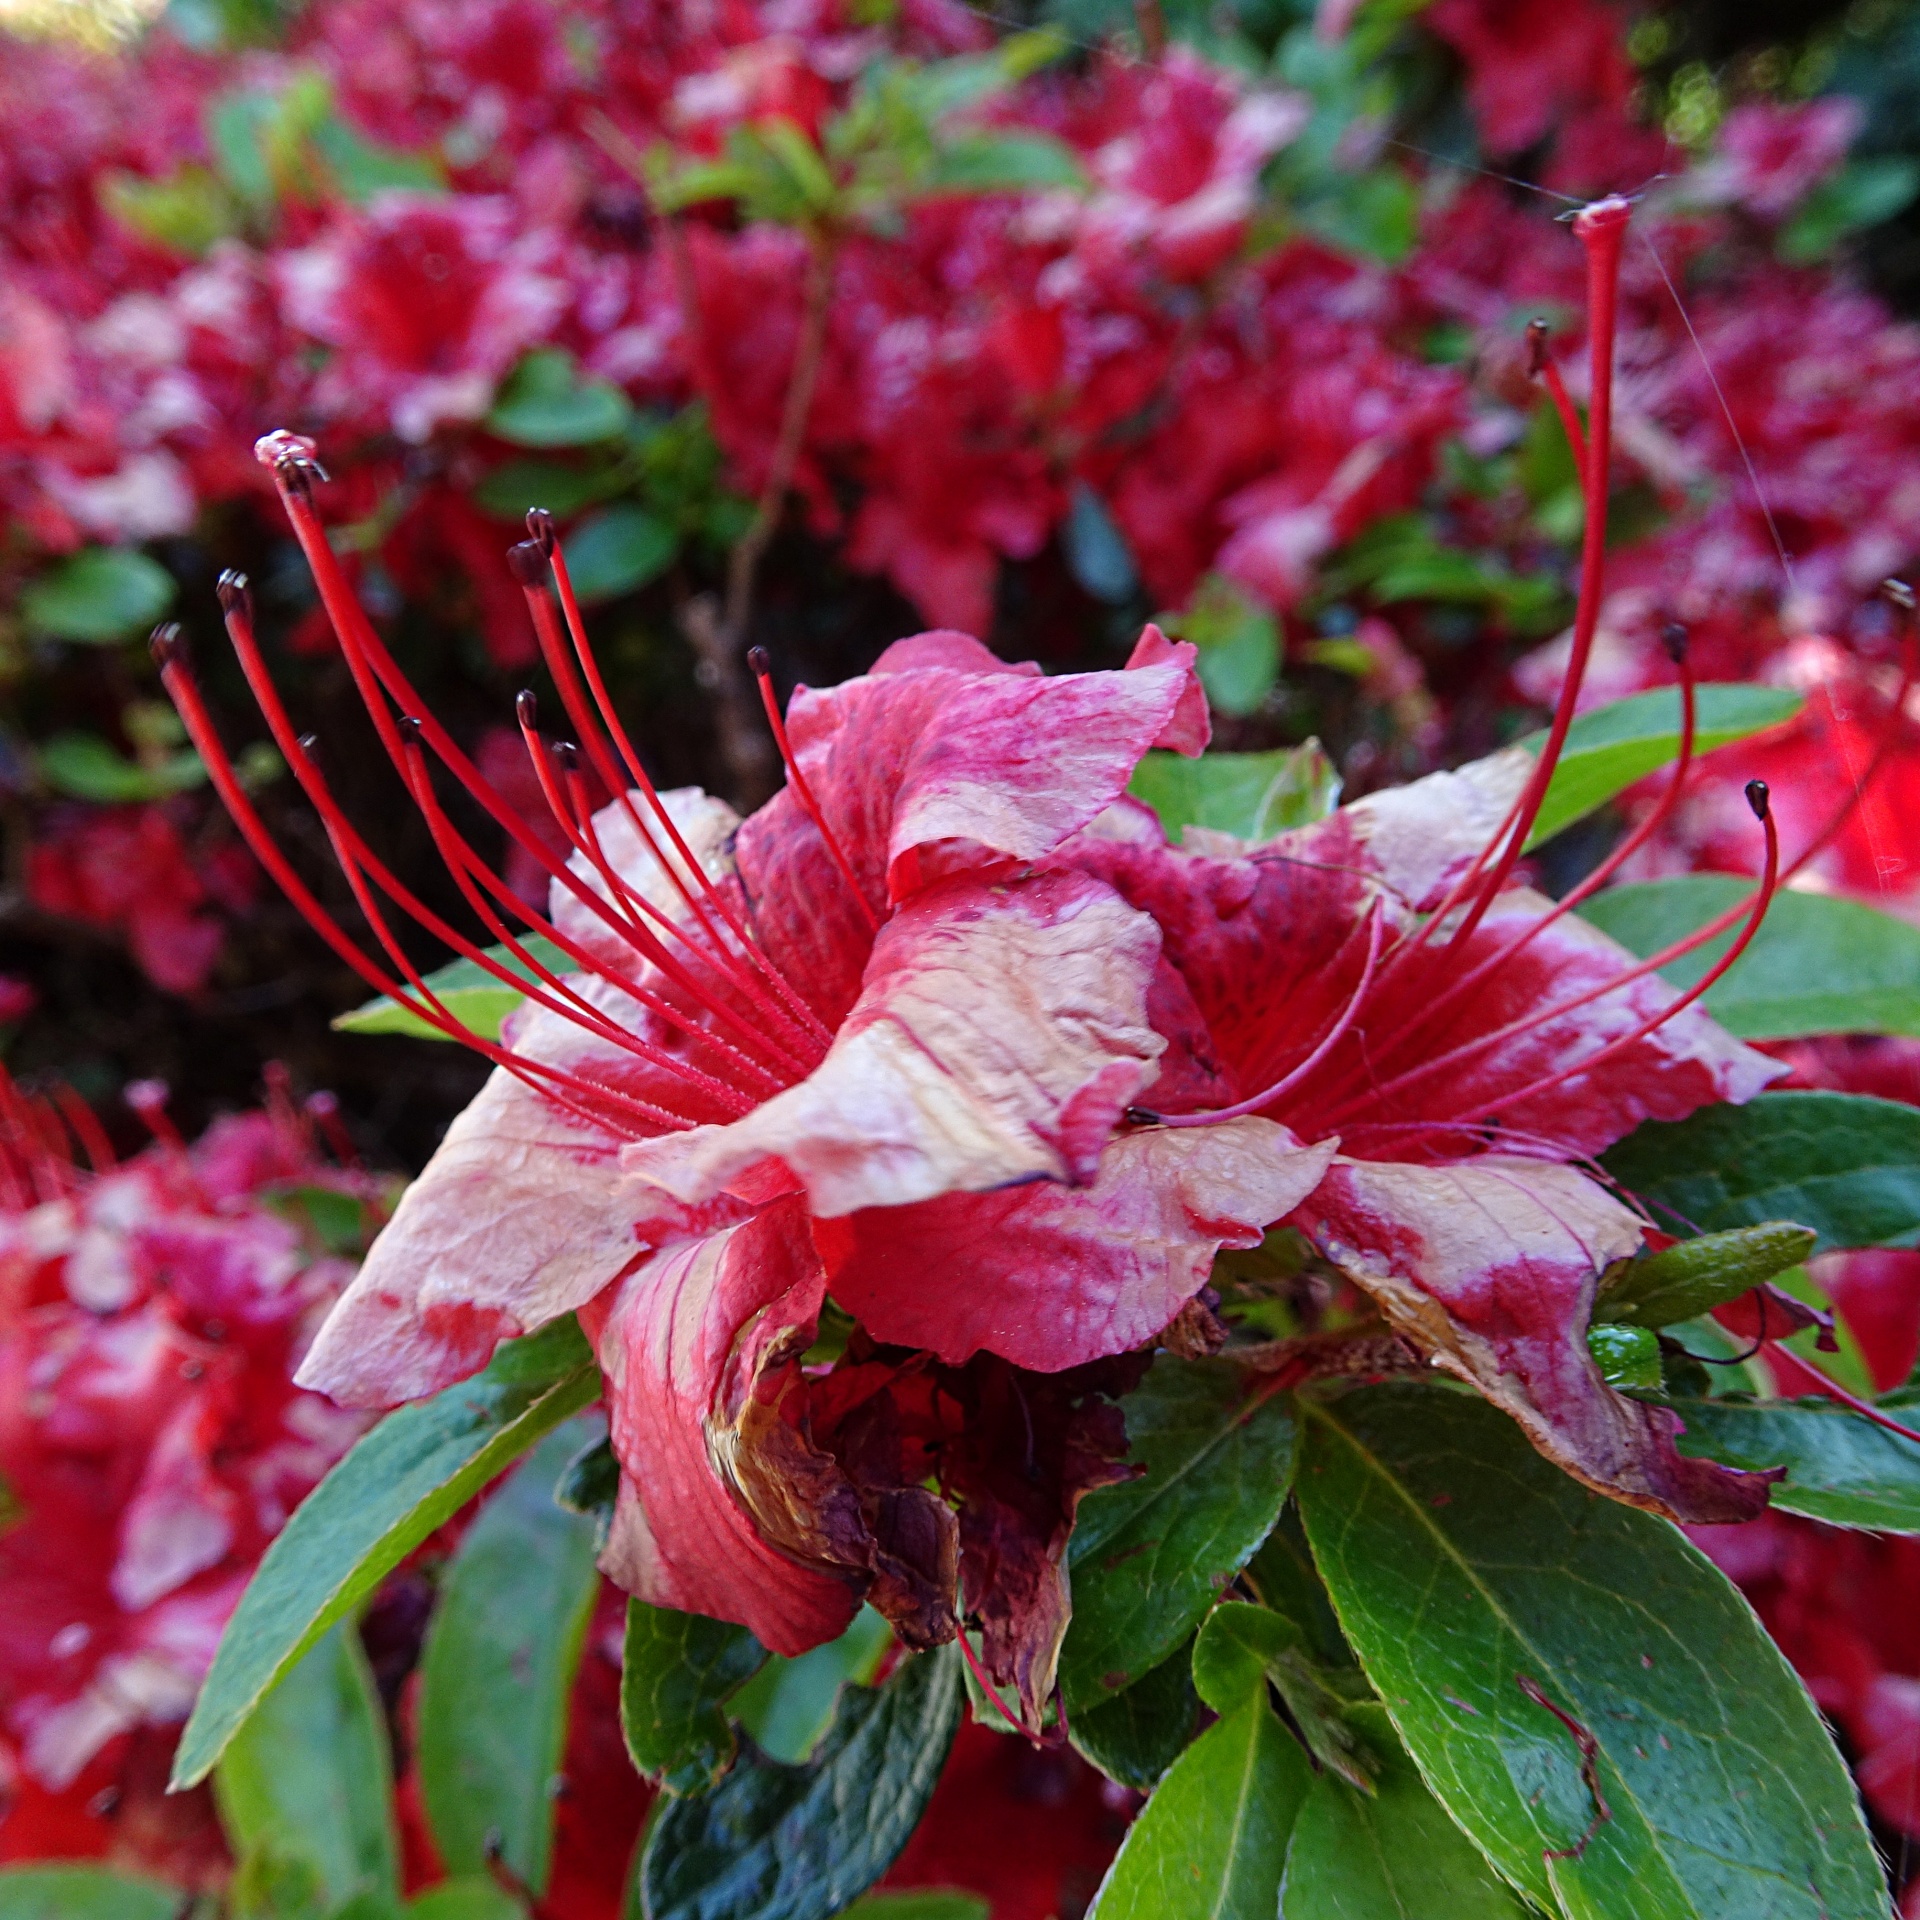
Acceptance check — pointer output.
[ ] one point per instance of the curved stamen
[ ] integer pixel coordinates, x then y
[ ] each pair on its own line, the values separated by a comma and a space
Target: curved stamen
802, 792
85, 1126
1288, 1081
1540, 366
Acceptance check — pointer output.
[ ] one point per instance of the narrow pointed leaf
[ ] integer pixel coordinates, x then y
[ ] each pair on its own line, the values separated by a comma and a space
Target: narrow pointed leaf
82, 1893
1390, 1855
1841, 1468
773, 1842
416, 1468
1819, 964
497, 1670
1213, 1839
308, 1779
1150, 1556
1844, 1164
676, 1676
467, 990
1612, 747
1477, 1581
1138, 1734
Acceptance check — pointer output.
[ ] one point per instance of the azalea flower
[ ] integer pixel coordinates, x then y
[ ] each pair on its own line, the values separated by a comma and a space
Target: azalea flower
948, 1031
151, 1313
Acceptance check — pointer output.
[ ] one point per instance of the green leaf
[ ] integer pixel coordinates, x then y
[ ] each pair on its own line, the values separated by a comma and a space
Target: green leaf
545, 403
308, 1777
1284, 1577
1692, 1277
676, 1676
1475, 1579
466, 989
509, 490
618, 550
773, 1842
85, 767
789, 1704
1096, 549
1375, 214
1139, 1733
1841, 1468
420, 1465
185, 211
1844, 1164
1389, 1855
1213, 1839
1251, 795
82, 1893
362, 167
1819, 964
471, 1898
1862, 194
1149, 1556
921, 1903
269, 1885
1612, 747
1003, 161
99, 595
496, 1673
1626, 1356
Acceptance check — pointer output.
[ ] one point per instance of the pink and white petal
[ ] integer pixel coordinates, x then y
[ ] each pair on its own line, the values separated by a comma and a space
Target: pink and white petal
1049, 1277
944, 647
724, 1507
999, 1035
520, 1216
1489, 1269
1192, 725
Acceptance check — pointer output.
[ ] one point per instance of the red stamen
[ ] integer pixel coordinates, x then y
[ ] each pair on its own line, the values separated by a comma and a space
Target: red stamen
86, 1128
1288, 1081
987, 1687
323, 1109
1540, 366
148, 1098
1823, 1382
757, 661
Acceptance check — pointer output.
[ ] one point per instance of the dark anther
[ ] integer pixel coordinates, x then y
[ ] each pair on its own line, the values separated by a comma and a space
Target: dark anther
410, 729
528, 559
540, 528
1537, 331
1757, 798
568, 756
236, 597
309, 744
527, 709
757, 662
1899, 593
1673, 636
166, 645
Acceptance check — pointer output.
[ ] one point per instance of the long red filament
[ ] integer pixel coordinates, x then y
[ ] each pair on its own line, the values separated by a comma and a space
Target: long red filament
1822, 1381
802, 792
1541, 365
1335, 1034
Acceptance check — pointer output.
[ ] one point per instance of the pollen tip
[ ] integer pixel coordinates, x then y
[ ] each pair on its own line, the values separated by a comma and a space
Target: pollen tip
147, 1096
409, 727
1537, 331
1607, 215
309, 744
757, 662
290, 456
1673, 637
528, 559
166, 645
540, 528
1899, 592
234, 592
322, 1104
1757, 798
568, 755
526, 709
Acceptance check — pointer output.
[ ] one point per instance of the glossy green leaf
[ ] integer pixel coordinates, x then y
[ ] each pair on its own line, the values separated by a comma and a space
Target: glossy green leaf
1612, 747
773, 1842
1844, 1164
1283, 1576
789, 1704
1819, 964
546, 403
1389, 1855
618, 549
1096, 550
84, 767
1250, 795
308, 1777
99, 595
1626, 1356
472, 1897
1863, 193
420, 1465
509, 490
1476, 1579
467, 990
1149, 1556
82, 1893
496, 1673
677, 1674
1213, 1839
1841, 1468
1138, 1734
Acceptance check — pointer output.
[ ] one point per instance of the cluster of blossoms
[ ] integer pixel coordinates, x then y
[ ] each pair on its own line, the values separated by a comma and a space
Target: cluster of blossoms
1182, 335
151, 1440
